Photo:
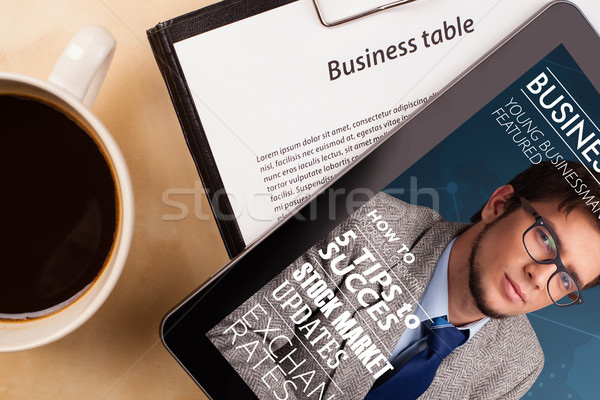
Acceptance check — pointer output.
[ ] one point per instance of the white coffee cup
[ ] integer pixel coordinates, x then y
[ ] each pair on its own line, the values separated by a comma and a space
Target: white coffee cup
73, 86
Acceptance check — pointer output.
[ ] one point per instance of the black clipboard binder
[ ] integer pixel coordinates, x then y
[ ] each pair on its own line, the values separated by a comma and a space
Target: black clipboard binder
162, 38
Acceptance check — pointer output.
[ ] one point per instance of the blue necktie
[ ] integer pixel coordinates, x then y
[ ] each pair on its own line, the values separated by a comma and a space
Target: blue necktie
409, 379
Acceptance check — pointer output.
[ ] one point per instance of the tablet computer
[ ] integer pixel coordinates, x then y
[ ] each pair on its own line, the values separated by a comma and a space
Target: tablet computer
316, 308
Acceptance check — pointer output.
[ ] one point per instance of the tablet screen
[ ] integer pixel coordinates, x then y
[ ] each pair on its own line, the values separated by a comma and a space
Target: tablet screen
328, 324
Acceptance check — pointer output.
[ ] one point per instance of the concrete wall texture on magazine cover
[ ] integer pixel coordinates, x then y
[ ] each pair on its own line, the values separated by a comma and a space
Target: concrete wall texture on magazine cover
458, 176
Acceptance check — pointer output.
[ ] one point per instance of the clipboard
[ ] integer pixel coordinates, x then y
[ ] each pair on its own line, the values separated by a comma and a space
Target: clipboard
162, 38
167, 38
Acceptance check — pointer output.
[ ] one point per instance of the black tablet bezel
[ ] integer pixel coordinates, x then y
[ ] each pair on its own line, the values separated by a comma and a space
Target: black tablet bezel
183, 329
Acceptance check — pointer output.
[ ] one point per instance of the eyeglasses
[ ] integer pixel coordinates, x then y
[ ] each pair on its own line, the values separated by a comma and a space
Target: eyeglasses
541, 245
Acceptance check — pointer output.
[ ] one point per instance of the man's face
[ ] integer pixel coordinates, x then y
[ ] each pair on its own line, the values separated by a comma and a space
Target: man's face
505, 281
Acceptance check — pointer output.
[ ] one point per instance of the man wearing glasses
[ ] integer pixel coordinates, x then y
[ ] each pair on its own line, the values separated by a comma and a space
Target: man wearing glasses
534, 243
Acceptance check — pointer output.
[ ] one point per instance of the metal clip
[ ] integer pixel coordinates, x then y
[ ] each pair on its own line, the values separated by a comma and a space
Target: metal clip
358, 15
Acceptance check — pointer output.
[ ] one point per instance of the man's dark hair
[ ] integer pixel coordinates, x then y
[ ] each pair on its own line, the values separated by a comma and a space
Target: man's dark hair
566, 182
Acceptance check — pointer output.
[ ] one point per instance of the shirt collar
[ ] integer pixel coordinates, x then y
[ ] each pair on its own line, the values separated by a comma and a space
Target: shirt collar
434, 302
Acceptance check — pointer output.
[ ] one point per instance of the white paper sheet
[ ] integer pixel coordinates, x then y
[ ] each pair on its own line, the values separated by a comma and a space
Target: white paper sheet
283, 116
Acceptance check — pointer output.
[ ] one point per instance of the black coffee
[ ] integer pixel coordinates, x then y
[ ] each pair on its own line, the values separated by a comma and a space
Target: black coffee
58, 203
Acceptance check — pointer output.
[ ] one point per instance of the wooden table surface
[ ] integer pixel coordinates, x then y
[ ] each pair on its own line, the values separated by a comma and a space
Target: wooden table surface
117, 354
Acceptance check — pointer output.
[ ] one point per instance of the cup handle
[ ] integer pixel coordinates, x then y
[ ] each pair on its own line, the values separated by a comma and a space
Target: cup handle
81, 68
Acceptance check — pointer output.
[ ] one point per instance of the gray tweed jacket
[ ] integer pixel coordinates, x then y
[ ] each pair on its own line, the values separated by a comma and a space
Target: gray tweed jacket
294, 348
